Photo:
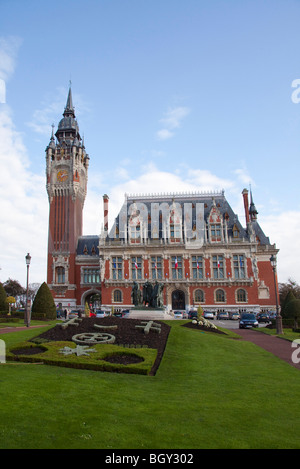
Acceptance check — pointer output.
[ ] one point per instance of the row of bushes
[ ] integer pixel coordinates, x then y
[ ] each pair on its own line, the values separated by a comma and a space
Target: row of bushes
286, 322
43, 306
15, 316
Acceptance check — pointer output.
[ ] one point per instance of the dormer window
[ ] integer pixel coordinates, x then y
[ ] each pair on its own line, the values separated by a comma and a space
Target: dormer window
215, 232
215, 224
235, 231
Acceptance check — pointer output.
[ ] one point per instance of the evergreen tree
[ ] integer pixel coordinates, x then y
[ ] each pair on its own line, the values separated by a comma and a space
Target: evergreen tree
3, 296
43, 302
292, 311
289, 297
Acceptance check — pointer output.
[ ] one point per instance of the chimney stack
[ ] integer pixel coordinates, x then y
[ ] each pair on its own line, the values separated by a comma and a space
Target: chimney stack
105, 206
246, 205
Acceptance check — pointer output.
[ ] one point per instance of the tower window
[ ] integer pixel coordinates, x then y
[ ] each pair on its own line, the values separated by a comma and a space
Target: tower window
60, 275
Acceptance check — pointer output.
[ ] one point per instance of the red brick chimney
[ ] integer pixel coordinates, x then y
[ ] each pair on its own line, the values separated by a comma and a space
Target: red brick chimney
105, 206
246, 205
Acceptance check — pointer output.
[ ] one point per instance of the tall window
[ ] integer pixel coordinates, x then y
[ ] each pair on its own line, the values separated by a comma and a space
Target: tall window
218, 266
60, 275
241, 296
197, 267
156, 267
117, 264
117, 296
176, 267
215, 232
135, 233
175, 231
239, 266
199, 296
136, 268
220, 296
91, 275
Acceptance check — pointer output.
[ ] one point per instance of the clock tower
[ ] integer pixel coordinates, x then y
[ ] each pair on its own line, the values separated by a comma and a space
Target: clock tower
66, 173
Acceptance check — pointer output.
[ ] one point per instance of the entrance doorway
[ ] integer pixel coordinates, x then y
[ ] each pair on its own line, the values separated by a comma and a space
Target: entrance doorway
178, 300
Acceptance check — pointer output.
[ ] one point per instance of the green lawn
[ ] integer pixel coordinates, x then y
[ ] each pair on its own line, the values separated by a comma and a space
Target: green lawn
210, 391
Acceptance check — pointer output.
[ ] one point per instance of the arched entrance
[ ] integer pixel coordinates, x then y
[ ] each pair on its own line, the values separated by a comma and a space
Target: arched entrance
92, 298
178, 299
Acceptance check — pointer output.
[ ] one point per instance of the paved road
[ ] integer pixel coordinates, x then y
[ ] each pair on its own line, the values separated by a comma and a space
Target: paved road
229, 324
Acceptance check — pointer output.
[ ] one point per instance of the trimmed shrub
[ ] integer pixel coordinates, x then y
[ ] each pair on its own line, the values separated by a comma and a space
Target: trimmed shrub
43, 303
292, 311
3, 296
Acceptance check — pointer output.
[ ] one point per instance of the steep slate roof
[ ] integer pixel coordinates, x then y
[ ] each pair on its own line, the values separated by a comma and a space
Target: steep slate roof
88, 245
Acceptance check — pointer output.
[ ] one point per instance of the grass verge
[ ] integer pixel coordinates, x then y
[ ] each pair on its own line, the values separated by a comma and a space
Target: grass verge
210, 391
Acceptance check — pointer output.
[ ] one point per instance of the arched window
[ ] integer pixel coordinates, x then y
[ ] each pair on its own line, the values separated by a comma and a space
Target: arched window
241, 296
199, 296
220, 296
117, 296
60, 275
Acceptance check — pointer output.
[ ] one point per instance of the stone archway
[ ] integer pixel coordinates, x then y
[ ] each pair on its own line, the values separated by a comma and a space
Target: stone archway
93, 297
178, 300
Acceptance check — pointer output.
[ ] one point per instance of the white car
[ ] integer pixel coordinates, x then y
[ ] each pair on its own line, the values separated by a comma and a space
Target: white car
208, 315
100, 314
178, 315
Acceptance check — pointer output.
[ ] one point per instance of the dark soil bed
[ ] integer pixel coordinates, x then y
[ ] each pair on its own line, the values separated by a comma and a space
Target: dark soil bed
123, 359
126, 334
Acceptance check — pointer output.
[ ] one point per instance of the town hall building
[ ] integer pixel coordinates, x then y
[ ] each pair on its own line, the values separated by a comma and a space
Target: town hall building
191, 243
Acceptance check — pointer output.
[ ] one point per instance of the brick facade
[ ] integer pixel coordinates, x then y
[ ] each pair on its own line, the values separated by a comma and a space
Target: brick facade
192, 243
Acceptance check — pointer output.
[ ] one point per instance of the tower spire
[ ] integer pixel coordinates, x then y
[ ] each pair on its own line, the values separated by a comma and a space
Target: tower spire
69, 109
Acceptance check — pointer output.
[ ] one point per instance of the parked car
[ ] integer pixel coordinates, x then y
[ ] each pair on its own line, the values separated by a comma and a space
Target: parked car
125, 313
100, 313
117, 314
193, 315
223, 315
208, 315
234, 316
74, 314
178, 315
263, 317
248, 320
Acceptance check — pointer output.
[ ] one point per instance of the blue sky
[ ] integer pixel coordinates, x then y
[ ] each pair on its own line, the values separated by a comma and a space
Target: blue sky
170, 95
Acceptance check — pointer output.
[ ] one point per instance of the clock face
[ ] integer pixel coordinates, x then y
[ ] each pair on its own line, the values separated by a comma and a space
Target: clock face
62, 175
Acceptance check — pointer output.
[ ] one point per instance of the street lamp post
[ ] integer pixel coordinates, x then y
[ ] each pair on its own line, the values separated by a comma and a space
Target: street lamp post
278, 315
27, 310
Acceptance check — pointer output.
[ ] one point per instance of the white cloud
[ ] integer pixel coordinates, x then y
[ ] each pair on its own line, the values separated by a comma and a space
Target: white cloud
24, 209
171, 121
8, 51
284, 230
164, 134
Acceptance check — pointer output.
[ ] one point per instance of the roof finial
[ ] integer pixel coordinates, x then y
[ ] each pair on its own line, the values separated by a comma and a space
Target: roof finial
69, 109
